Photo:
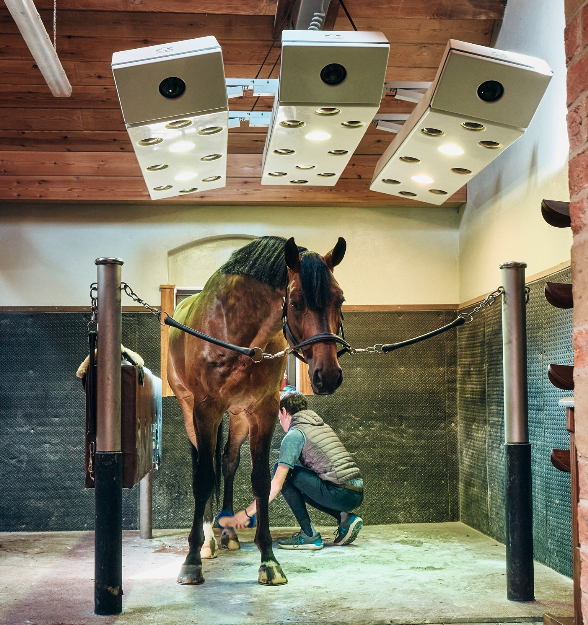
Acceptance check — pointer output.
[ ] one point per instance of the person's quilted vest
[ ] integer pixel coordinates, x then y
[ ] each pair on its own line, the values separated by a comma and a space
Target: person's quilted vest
323, 452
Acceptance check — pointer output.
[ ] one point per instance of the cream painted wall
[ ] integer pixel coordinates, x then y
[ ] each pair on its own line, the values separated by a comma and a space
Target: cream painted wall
502, 218
395, 256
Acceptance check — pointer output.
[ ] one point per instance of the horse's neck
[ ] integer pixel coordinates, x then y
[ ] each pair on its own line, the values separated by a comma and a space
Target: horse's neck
252, 310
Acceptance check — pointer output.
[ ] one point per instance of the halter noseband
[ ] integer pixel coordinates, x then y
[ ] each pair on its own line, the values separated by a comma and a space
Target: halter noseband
317, 338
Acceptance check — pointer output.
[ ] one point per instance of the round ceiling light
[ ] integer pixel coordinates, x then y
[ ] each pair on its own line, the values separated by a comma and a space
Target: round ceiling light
438, 191
211, 157
291, 123
352, 124
150, 141
491, 145
189, 190
432, 132
157, 167
283, 151
186, 175
163, 188
390, 181
181, 146
305, 167
210, 130
473, 126
327, 110
276, 174
461, 170
327, 174
410, 159
422, 179
181, 123
338, 152
298, 181
407, 193
211, 178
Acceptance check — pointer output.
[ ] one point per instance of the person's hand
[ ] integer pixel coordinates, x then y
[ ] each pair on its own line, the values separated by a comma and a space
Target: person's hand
240, 520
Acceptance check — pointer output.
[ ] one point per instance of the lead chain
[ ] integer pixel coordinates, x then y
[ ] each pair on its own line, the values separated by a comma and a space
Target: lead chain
127, 289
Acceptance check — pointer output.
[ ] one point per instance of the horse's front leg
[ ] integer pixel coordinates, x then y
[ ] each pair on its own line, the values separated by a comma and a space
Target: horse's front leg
270, 571
238, 432
202, 487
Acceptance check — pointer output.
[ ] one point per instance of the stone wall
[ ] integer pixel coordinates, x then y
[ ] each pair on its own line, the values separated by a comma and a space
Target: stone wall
576, 42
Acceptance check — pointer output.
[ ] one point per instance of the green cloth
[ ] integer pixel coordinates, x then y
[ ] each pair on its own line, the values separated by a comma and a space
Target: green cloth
291, 447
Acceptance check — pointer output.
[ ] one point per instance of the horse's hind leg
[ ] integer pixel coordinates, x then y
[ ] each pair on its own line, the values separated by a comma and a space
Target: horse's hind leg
202, 487
261, 431
238, 432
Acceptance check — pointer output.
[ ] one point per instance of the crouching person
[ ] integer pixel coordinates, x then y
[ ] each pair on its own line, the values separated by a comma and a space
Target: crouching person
326, 477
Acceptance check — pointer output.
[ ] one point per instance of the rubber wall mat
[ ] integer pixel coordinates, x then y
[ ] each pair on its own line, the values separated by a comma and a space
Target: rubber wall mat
481, 424
395, 413
42, 419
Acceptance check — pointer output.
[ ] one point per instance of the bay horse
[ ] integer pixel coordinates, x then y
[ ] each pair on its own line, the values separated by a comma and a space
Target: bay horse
243, 303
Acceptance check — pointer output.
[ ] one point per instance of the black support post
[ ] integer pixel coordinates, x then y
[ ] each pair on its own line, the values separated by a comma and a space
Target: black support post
519, 523
108, 535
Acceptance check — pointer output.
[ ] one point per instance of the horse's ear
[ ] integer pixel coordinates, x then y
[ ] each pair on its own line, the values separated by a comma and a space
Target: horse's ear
335, 256
292, 254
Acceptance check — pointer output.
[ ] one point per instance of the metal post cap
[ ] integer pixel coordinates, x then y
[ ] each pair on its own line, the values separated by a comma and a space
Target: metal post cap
109, 261
512, 263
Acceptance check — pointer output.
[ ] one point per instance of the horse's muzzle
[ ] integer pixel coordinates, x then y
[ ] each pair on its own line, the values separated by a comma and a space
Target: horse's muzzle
324, 383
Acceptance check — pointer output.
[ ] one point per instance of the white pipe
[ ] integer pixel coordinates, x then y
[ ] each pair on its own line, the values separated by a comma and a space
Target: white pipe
33, 31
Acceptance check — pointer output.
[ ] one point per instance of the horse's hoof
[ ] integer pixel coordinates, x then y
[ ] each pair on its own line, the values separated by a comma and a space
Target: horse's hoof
209, 549
191, 574
229, 540
271, 575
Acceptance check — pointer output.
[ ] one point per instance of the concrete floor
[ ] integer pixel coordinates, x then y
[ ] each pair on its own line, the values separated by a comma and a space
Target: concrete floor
418, 573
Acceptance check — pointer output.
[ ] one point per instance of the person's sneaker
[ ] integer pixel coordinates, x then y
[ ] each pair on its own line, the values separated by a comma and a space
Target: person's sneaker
301, 541
348, 530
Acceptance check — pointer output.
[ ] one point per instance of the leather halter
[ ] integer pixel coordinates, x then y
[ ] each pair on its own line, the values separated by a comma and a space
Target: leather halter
317, 338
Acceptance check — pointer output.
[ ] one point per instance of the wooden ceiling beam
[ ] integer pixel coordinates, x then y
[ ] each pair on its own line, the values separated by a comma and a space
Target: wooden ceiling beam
239, 191
124, 164
214, 7
245, 141
416, 9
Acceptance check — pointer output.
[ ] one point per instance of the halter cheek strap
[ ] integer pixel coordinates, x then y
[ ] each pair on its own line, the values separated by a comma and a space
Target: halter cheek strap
317, 338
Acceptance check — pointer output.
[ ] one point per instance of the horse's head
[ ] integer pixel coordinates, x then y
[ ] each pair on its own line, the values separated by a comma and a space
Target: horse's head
313, 307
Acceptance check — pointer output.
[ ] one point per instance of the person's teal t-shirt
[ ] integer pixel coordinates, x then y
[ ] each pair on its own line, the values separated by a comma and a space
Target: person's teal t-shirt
291, 447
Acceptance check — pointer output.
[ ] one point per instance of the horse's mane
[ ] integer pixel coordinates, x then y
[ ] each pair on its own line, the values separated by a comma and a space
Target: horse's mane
264, 260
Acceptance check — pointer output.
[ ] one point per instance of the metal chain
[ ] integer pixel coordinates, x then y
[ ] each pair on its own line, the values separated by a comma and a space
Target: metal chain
127, 289
94, 305
469, 317
374, 349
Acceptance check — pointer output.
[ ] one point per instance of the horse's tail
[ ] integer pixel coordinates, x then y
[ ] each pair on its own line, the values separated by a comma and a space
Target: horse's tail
218, 462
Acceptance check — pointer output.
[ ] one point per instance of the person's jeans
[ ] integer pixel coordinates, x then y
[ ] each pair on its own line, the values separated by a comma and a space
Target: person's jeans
302, 486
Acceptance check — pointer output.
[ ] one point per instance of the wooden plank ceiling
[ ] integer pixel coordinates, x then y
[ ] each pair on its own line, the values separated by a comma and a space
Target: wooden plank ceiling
77, 150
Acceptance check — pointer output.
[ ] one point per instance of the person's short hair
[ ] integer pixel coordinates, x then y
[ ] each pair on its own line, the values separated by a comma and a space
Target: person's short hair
293, 402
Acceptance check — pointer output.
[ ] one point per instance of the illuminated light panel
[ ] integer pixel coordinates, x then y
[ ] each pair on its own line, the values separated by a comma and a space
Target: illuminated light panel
454, 132
320, 118
321, 145
181, 146
188, 175
451, 150
318, 136
179, 141
422, 179
194, 156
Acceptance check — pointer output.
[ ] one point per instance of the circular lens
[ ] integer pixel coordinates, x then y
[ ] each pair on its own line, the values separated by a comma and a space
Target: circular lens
211, 157
277, 173
181, 123
283, 151
172, 87
304, 166
354, 124
157, 167
291, 123
407, 193
461, 170
211, 179
491, 145
327, 174
151, 141
211, 130
410, 159
473, 126
432, 132
438, 191
163, 188
338, 152
329, 110
490, 91
390, 181
298, 181
189, 190
333, 74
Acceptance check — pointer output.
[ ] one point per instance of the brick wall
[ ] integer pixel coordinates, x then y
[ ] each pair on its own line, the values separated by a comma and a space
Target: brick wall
576, 46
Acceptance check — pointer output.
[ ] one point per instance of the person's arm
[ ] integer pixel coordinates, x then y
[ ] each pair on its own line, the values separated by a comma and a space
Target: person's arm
241, 519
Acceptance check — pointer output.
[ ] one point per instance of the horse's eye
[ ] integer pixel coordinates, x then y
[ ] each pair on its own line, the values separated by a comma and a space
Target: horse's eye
295, 305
